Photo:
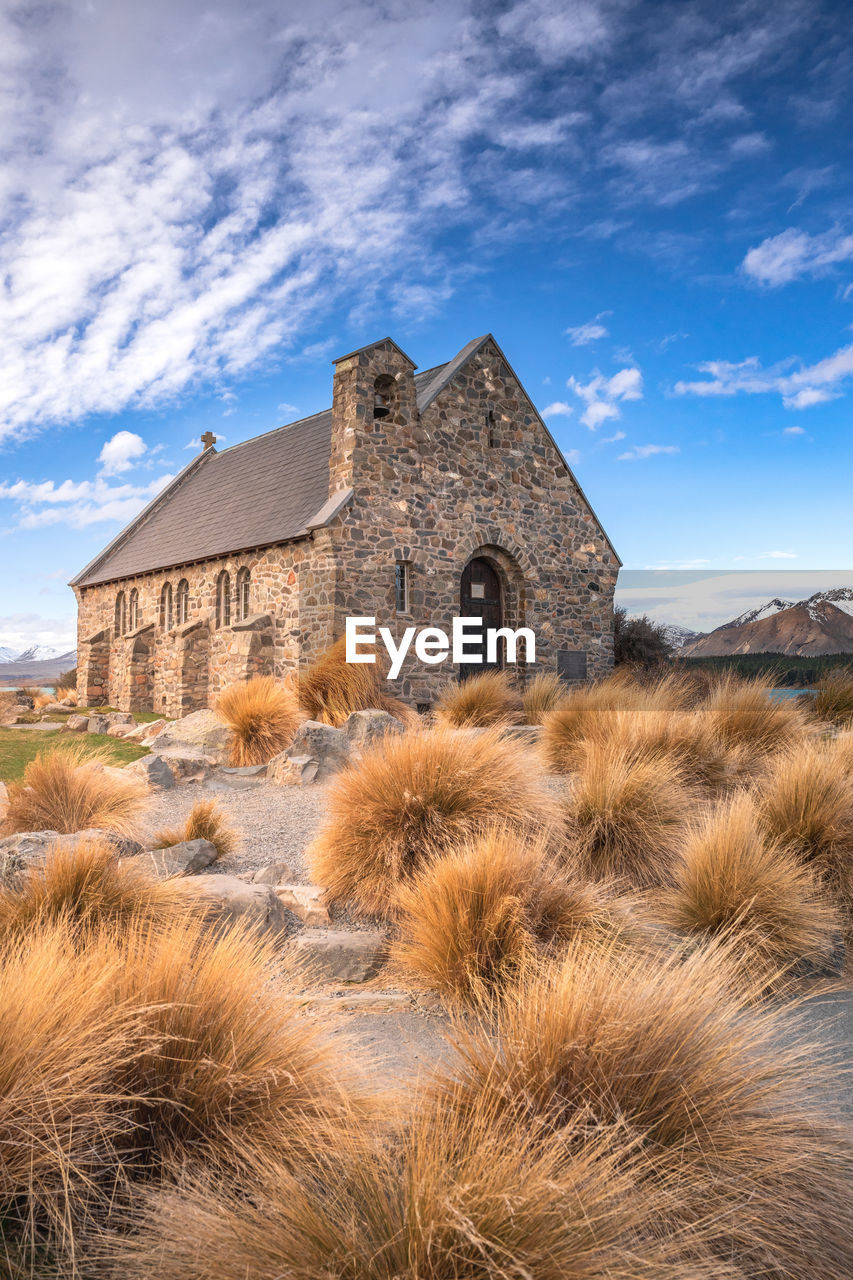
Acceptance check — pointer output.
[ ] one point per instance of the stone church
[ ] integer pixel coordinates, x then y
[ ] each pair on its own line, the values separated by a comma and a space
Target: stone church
416, 498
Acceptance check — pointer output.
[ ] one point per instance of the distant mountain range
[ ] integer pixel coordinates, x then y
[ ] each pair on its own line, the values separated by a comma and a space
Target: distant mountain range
40, 664
820, 625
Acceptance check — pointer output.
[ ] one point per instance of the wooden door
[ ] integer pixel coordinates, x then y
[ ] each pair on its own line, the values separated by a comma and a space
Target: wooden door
480, 597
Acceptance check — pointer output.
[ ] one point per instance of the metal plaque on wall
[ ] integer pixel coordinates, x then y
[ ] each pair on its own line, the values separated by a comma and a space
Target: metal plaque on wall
571, 665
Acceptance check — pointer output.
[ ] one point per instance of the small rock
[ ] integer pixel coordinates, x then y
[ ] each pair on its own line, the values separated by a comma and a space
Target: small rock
121, 717
182, 859
322, 742
117, 731
361, 1002
274, 873
24, 699
229, 900
364, 727
201, 730
337, 956
53, 709
305, 901
292, 771
246, 771
154, 770
142, 732
96, 724
29, 848
187, 766
77, 724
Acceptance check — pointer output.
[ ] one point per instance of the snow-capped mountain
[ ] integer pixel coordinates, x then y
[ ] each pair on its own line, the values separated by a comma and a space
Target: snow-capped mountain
39, 664
7, 655
35, 653
763, 611
822, 624
677, 636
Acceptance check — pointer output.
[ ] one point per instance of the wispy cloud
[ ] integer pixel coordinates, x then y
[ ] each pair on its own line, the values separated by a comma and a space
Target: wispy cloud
559, 409
793, 254
584, 334
800, 389
78, 504
647, 451
602, 395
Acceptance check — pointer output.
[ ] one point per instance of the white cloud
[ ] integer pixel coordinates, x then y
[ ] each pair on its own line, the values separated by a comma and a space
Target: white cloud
793, 254
78, 503
584, 334
647, 451
800, 389
572, 456
778, 555
617, 436
18, 631
601, 395
794, 431
121, 453
558, 409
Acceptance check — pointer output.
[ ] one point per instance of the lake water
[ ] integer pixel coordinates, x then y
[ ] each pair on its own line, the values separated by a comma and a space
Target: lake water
780, 695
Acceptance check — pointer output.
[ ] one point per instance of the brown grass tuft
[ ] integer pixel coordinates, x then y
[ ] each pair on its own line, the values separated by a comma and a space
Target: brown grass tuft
542, 696
332, 688
263, 716
413, 796
625, 814
88, 887
733, 880
474, 919
206, 821
481, 700
67, 790
834, 701
805, 800
743, 714
728, 1106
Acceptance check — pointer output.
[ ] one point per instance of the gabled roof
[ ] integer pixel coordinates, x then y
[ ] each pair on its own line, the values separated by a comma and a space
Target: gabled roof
271, 489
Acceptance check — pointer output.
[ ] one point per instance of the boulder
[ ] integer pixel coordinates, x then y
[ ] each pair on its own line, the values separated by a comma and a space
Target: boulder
117, 731
333, 955
24, 699
182, 859
228, 900
201, 730
77, 724
142, 732
187, 766
364, 727
292, 771
154, 770
317, 751
95, 724
305, 901
29, 848
53, 709
274, 873
121, 717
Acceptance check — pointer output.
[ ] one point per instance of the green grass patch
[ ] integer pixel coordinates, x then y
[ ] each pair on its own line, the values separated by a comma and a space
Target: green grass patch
19, 746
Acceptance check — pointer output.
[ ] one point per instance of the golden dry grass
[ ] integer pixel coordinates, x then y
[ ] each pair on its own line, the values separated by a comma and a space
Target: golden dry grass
543, 695
206, 821
484, 699
88, 887
625, 814
805, 800
727, 1105
474, 919
732, 879
331, 689
834, 701
263, 715
413, 796
67, 789
743, 714
448, 1197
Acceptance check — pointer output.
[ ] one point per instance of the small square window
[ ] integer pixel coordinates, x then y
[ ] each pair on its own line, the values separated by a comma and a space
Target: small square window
401, 586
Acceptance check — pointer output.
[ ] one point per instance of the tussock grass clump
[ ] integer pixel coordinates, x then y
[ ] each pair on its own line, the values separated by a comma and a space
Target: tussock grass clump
224, 1060
543, 695
446, 1198
625, 814
67, 790
743, 714
89, 888
733, 880
263, 716
727, 1105
805, 800
206, 821
414, 796
474, 919
331, 689
64, 1038
481, 700
834, 701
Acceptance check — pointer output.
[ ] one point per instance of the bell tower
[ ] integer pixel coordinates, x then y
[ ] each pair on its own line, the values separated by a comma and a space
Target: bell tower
374, 409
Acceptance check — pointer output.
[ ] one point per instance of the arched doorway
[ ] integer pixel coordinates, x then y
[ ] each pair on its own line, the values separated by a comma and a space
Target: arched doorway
481, 596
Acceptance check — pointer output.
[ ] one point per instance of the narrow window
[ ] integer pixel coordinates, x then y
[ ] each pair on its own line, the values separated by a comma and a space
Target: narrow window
133, 611
223, 600
243, 589
401, 586
121, 614
183, 595
384, 397
491, 430
167, 620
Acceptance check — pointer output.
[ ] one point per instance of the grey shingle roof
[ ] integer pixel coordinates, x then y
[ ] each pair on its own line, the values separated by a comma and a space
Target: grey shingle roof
266, 490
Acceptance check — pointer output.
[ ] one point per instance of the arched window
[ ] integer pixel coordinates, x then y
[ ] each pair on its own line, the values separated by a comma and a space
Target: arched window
121, 614
133, 610
244, 582
167, 620
223, 599
183, 601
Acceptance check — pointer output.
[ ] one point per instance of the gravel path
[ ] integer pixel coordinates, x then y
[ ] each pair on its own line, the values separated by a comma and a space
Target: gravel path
276, 823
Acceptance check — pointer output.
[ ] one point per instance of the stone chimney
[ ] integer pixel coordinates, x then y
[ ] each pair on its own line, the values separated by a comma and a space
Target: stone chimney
373, 401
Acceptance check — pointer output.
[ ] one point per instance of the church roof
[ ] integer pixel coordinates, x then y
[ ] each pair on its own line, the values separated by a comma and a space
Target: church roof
270, 489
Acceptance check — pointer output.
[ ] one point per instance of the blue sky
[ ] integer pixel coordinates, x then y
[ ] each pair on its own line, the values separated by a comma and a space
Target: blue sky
648, 204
